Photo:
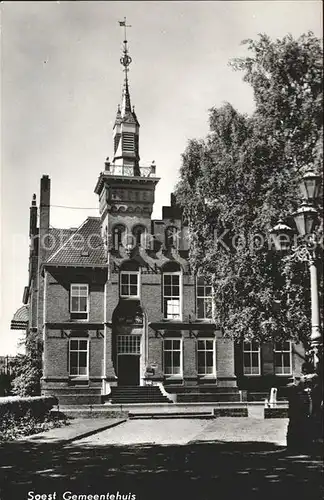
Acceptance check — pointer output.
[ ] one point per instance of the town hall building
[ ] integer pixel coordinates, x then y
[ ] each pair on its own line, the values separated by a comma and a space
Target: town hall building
118, 312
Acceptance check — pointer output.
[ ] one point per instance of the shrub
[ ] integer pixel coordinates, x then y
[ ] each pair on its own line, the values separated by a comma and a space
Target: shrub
28, 368
24, 416
18, 407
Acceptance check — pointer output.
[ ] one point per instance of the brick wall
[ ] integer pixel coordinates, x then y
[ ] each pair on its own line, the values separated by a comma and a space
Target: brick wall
225, 362
267, 378
58, 295
56, 353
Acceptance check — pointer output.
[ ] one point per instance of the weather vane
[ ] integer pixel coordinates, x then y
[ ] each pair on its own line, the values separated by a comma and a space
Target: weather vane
125, 59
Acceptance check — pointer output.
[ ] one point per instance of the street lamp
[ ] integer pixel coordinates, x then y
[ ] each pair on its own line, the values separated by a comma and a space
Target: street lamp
306, 220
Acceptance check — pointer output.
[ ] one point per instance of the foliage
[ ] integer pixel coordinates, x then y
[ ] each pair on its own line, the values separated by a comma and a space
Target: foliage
18, 407
28, 368
22, 416
12, 428
238, 181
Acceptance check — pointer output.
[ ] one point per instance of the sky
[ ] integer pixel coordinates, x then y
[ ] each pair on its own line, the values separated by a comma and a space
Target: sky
61, 82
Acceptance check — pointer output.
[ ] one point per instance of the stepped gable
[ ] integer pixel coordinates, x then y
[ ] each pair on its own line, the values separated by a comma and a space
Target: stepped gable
83, 247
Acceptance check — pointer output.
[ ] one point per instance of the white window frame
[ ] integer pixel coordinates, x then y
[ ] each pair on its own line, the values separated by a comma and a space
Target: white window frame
72, 285
213, 350
132, 342
204, 298
136, 273
173, 375
165, 312
77, 375
252, 351
282, 352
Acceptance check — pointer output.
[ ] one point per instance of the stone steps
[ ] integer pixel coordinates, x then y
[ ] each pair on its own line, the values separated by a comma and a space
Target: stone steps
136, 394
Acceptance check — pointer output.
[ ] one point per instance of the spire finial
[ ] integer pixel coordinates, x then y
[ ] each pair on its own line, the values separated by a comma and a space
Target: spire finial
125, 59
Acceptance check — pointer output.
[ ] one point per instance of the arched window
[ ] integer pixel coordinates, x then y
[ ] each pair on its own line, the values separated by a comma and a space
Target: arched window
138, 233
172, 291
118, 235
171, 237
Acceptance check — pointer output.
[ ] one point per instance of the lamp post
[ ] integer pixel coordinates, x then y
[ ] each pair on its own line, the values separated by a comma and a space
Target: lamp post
306, 220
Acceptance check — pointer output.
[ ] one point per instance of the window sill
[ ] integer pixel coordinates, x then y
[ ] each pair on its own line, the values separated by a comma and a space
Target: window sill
206, 377
172, 320
251, 374
79, 381
283, 375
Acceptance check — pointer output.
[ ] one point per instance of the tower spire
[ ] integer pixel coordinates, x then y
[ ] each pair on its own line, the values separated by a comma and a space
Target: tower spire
125, 60
126, 128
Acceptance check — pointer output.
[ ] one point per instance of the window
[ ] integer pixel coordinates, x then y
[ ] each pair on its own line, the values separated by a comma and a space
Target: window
139, 233
206, 357
129, 344
251, 358
171, 295
118, 236
79, 301
282, 355
79, 357
204, 299
172, 357
171, 237
129, 283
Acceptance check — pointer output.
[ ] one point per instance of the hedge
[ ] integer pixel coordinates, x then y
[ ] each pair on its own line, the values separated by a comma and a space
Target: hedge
18, 407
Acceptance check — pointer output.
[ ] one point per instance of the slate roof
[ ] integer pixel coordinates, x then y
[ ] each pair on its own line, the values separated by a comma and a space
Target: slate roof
84, 246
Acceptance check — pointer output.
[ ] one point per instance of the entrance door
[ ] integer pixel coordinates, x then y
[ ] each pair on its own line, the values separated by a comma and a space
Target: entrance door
128, 369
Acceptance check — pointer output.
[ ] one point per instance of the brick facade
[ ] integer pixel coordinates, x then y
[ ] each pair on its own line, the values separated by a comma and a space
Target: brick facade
104, 331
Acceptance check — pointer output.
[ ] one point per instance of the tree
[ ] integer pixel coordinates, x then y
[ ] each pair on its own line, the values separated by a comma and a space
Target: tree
236, 183
28, 368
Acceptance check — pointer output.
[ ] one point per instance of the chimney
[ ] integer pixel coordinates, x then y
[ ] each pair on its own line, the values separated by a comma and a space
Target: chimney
33, 218
44, 214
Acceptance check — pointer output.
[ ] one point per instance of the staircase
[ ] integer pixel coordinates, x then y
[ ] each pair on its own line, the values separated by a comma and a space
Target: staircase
136, 394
